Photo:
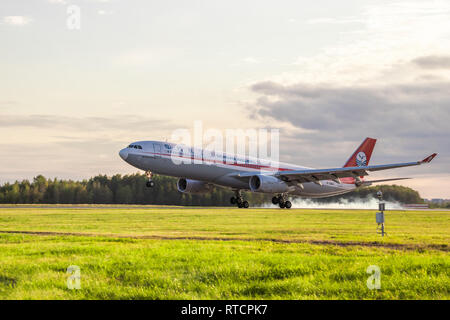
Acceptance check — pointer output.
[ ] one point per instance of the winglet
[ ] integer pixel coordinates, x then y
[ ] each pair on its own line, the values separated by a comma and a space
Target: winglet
429, 158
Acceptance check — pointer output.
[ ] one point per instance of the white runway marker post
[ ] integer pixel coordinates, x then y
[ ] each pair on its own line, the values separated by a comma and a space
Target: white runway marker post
379, 217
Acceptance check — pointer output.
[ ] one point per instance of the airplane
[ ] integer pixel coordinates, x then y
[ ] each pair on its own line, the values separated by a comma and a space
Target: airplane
204, 169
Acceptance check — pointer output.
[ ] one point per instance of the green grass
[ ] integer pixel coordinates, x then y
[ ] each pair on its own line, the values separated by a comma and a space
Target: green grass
326, 258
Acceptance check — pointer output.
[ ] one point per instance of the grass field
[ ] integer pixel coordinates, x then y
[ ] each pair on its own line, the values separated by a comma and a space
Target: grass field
221, 253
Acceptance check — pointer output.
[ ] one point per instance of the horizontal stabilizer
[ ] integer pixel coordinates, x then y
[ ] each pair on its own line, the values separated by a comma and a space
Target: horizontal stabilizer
369, 183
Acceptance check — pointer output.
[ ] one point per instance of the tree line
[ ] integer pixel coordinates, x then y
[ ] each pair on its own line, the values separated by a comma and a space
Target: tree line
118, 189
131, 189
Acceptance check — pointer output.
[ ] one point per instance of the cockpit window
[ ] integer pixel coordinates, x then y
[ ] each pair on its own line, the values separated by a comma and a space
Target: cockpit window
135, 146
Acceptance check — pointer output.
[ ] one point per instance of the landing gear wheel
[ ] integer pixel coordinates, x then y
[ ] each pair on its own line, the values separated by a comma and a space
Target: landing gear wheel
150, 183
275, 200
238, 200
282, 205
288, 204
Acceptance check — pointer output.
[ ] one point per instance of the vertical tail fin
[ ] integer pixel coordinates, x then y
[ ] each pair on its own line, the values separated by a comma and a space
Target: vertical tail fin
361, 156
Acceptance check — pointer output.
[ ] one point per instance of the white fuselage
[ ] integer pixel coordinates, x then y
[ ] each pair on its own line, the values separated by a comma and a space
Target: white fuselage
218, 168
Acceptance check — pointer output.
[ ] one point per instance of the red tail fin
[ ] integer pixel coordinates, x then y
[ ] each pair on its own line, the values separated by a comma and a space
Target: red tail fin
361, 156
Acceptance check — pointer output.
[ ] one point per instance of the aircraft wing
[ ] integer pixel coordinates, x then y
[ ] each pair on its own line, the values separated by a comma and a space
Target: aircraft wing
316, 175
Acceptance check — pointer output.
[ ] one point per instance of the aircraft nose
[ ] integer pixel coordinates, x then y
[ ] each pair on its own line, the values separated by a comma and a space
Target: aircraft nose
123, 154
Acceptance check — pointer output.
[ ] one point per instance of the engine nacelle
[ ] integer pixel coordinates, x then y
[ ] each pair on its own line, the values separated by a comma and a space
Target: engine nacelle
268, 184
192, 186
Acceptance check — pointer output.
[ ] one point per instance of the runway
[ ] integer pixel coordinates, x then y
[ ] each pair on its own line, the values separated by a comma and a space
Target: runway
132, 207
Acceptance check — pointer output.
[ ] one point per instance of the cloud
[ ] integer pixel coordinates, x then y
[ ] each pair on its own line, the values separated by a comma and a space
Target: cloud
72, 147
66, 2
104, 12
142, 57
334, 20
412, 120
327, 107
7, 103
375, 39
16, 20
386, 77
77, 159
93, 124
58, 1
433, 62
251, 60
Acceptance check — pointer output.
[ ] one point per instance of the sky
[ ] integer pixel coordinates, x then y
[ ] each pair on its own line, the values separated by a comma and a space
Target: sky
80, 79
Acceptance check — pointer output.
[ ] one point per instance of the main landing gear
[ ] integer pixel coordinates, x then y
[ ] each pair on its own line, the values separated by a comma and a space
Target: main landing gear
150, 183
239, 201
281, 201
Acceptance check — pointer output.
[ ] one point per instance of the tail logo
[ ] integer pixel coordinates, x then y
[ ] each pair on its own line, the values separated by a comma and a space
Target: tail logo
361, 159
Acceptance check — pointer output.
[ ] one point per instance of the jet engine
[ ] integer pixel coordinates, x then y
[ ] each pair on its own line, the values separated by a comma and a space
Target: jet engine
268, 184
192, 186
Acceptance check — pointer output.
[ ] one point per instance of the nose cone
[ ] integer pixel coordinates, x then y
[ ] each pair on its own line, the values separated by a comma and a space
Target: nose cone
123, 154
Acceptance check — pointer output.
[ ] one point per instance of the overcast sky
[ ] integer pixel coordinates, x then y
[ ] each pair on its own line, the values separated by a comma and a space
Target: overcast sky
327, 73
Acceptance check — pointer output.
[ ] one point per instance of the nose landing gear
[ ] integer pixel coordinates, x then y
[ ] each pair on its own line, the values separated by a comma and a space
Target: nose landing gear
281, 201
150, 183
